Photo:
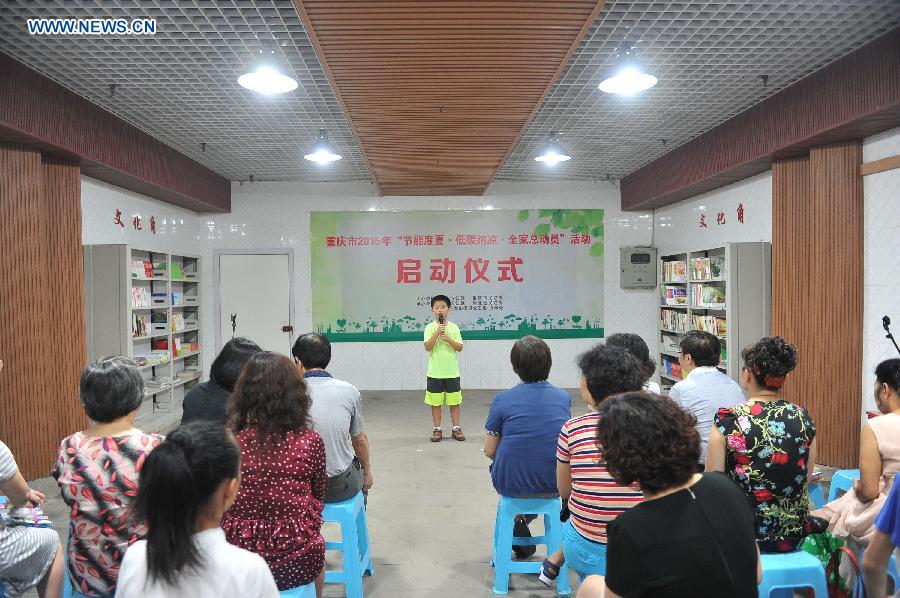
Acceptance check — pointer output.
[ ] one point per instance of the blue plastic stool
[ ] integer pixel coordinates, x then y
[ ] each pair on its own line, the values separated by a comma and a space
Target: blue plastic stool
789, 570
507, 509
307, 591
816, 494
354, 544
842, 480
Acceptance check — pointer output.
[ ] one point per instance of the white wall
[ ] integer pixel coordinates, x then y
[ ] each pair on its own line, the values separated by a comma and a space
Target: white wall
882, 257
270, 215
176, 228
677, 227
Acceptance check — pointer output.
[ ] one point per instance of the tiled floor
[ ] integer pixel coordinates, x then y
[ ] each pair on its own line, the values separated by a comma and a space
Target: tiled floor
431, 510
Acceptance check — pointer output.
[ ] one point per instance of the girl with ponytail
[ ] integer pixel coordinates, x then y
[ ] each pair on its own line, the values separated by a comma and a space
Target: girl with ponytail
187, 484
767, 446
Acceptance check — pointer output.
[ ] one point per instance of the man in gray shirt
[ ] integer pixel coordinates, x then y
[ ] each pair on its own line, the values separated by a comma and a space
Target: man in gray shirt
337, 417
704, 389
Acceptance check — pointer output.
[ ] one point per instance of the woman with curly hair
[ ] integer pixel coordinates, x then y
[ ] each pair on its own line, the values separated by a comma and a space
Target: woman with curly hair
767, 446
278, 510
693, 534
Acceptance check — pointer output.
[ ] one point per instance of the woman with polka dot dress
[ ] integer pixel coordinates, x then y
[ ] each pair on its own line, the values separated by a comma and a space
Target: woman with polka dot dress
278, 511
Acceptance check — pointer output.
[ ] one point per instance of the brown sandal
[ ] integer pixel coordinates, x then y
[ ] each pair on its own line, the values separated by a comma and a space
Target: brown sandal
436, 435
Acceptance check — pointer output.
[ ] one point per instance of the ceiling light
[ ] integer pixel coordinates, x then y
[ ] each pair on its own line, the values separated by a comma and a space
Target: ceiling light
628, 77
553, 153
322, 151
264, 76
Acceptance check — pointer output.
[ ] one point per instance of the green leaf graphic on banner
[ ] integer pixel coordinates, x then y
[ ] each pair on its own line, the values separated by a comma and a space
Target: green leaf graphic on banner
545, 213
542, 230
595, 231
596, 250
557, 218
523, 215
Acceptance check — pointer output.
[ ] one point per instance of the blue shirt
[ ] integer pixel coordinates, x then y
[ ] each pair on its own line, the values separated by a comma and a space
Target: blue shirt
888, 521
702, 394
527, 418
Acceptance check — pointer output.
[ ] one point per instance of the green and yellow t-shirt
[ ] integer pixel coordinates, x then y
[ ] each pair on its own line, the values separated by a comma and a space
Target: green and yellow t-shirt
442, 362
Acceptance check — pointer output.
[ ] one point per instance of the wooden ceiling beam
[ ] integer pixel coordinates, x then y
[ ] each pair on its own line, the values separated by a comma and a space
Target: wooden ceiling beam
438, 93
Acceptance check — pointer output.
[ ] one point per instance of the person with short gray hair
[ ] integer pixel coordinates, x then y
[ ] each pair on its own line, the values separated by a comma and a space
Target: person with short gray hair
97, 472
337, 417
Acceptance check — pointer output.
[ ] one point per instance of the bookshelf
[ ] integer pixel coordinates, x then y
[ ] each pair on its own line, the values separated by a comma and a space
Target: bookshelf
724, 290
146, 305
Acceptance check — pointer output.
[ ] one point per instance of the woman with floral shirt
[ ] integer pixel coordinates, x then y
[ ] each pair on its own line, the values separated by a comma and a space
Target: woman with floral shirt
97, 472
766, 445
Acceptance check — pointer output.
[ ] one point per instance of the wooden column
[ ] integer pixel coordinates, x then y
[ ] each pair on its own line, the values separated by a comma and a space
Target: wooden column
817, 289
42, 338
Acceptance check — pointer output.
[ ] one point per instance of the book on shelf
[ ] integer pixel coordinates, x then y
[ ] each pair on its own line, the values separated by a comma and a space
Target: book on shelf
178, 322
177, 272
140, 325
707, 268
672, 368
674, 321
140, 297
152, 358
674, 295
723, 356
141, 268
674, 271
712, 324
703, 294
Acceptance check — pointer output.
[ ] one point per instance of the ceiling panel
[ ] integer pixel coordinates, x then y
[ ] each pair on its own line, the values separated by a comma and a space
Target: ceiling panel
709, 57
180, 84
438, 92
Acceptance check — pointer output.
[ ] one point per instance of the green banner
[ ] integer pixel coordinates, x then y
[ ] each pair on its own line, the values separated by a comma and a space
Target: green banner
507, 273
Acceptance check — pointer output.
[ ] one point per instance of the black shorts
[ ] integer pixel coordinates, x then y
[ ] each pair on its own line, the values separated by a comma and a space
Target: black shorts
437, 385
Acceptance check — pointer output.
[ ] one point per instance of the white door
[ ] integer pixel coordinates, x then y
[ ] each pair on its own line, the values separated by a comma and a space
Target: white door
255, 297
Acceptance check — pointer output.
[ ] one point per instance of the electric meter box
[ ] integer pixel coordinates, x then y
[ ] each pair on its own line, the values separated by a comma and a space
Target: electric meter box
637, 267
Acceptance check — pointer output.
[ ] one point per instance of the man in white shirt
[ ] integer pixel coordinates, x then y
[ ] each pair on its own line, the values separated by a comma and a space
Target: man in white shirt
704, 389
337, 416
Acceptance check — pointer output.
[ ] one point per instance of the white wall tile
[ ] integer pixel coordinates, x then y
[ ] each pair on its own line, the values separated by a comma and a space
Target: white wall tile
393, 381
882, 258
883, 145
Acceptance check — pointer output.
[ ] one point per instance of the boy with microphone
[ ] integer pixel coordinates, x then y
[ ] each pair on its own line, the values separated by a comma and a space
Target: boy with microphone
442, 341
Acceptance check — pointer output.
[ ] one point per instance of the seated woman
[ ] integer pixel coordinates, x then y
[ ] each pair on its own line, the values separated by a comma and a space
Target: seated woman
605, 370
186, 485
97, 472
635, 345
693, 534
208, 401
278, 511
852, 516
521, 430
30, 557
767, 446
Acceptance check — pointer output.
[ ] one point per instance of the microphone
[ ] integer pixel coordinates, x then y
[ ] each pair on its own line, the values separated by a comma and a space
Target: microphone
441, 319
886, 323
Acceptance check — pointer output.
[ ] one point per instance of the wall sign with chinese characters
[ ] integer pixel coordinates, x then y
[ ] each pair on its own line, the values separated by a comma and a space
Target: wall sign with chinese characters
508, 273
722, 218
136, 223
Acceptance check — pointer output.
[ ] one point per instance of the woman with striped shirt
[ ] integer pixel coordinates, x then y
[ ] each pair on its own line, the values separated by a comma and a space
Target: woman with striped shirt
594, 498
